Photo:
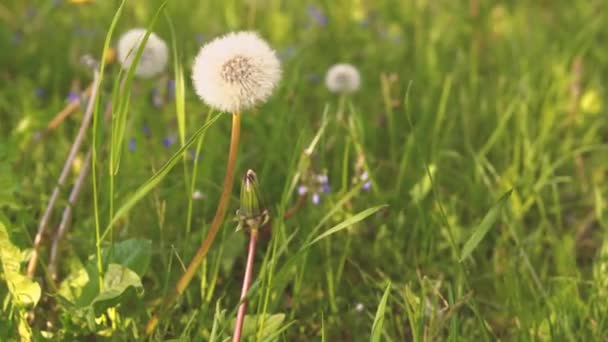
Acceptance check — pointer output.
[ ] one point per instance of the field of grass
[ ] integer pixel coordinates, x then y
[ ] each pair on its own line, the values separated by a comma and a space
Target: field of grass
481, 125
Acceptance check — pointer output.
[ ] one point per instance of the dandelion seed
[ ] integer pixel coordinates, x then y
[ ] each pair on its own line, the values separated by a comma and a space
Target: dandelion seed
343, 78
359, 307
197, 195
154, 56
235, 72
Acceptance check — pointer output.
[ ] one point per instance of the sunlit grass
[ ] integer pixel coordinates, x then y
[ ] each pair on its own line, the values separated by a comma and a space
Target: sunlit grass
460, 103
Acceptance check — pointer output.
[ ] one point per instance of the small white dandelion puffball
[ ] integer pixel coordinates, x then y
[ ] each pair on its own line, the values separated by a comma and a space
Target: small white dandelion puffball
235, 72
153, 59
343, 78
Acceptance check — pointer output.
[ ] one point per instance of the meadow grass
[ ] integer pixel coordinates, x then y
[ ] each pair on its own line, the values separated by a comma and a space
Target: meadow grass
481, 126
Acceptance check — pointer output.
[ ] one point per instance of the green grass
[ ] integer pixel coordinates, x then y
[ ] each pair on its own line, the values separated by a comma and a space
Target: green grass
461, 102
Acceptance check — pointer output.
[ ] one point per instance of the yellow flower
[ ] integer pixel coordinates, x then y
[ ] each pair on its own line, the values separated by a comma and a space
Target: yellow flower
110, 53
591, 102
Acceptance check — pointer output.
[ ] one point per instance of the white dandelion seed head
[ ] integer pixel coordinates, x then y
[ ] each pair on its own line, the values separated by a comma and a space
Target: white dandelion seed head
343, 78
235, 72
154, 56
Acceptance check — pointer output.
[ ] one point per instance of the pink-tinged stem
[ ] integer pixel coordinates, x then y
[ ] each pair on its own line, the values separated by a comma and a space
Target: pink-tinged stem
88, 116
240, 317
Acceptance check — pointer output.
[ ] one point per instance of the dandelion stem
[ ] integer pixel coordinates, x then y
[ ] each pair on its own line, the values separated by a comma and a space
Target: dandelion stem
86, 121
240, 318
215, 225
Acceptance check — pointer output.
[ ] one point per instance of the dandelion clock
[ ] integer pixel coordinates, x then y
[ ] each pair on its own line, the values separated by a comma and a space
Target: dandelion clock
154, 56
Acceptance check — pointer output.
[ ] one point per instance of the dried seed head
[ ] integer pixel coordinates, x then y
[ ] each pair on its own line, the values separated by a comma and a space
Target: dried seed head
154, 57
343, 78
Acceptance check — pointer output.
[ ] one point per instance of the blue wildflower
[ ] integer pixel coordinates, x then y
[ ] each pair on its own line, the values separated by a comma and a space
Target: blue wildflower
169, 140
132, 144
171, 89
73, 96
146, 130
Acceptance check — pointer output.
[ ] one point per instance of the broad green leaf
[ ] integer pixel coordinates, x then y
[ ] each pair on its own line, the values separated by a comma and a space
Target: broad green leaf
24, 292
116, 281
133, 254
378, 326
482, 229
272, 323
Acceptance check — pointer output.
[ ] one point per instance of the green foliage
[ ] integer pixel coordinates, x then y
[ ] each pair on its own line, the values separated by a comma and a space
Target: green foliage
482, 229
460, 102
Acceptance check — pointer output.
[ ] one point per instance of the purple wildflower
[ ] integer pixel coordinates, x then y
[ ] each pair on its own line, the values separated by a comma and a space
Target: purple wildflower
326, 188
171, 89
73, 96
146, 130
302, 190
132, 144
169, 140
317, 15
316, 199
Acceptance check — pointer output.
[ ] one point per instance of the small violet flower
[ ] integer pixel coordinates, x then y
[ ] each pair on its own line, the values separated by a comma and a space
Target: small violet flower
317, 16
132, 144
169, 140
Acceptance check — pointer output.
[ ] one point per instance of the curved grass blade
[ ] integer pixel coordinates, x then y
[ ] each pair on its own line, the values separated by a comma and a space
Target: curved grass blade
485, 225
156, 178
377, 327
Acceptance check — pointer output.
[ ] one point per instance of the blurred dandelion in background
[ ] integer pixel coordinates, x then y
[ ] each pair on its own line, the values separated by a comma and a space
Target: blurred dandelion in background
154, 57
343, 78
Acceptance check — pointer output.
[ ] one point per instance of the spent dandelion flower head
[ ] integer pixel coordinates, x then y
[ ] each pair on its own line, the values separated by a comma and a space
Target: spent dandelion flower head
154, 57
343, 78
235, 72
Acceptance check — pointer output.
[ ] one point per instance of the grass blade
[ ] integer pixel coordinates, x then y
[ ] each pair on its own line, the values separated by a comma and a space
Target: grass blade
156, 178
485, 225
378, 325
346, 223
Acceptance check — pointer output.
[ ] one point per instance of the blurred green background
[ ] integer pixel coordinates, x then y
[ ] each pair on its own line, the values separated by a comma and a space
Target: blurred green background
461, 101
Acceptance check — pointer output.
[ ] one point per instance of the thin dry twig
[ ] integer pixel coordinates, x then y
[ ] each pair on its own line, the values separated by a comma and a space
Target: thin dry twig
67, 216
88, 115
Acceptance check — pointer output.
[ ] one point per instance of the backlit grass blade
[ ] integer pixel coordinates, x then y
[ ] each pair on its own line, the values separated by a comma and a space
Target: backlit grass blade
378, 326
